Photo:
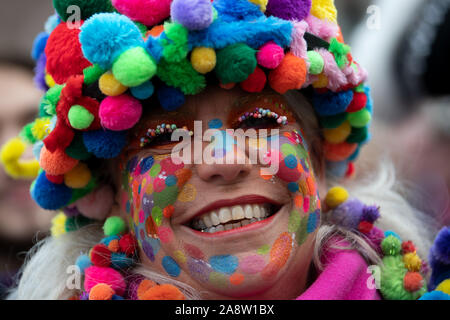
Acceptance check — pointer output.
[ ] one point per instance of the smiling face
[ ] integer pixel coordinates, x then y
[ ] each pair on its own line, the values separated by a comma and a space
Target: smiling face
227, 230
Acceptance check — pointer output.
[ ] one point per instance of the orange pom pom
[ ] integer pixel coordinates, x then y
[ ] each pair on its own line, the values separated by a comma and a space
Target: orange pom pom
144, 286
227, 86
339, 152
113, 245
56, 163
412, 281
101, 291
289, 75
163, 292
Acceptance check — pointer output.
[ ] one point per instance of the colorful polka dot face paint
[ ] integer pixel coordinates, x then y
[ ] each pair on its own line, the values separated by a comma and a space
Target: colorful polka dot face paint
225, 229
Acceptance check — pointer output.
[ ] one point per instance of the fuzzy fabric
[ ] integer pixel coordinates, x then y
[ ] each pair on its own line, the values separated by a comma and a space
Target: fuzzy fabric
348, 214
330, 103
237, 10
321, 28
39, 45
107, 35
235, 63
57, 162
48, 195
148, 12
336, 78
289, 9
39, 73
104, 144
170, 98
339, 152
255, 82
194, 14
64, 55
270, 55
120, 112
289, 75
113, 278
181, 75
134, 67
298, 44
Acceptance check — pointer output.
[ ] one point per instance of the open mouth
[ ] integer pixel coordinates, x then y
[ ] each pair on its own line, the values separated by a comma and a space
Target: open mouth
233, 217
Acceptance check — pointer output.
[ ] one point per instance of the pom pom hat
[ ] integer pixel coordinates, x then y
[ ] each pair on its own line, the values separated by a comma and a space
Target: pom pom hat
99, 72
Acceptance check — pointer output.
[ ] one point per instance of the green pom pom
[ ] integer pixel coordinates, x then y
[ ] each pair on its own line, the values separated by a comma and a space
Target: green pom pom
134, 67
80, 118
235, 63
50, 100
114, 226
391, 246
358, 135
75, 223
87, 7
92, 74
333, 122
361, 88
316, 62
181, 75
175, 47
27, 135
359, 119
77, 149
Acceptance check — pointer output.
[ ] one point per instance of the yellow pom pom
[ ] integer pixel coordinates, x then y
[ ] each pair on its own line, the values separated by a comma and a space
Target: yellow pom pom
339, 134
261, 3
78, 177
49, 80
41, 128
203, 59
444, 286
412, 262
110, 86
324, 9
58, 225
321, 82
10, 158
335, 197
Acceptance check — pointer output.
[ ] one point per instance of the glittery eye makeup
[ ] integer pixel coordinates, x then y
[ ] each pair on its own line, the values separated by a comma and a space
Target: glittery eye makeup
161, 135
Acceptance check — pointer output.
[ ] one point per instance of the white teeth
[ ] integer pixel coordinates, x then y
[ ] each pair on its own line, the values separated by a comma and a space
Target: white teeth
256, 211
231, 218
248, 211
215, 218
238, 213
207, 221
224, 215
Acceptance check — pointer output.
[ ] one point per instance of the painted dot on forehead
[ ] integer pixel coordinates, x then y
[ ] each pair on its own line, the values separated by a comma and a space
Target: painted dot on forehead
171, 266
215, 124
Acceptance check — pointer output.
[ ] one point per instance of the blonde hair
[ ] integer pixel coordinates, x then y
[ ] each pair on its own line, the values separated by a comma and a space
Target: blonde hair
44, 274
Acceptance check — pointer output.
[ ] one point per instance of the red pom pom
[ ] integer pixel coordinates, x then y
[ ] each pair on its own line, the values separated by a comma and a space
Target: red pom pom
412, 281
255, 82
365, 227
340, 151
55, 179
127, 244
64, 55
408, 246
101, 256
359, 102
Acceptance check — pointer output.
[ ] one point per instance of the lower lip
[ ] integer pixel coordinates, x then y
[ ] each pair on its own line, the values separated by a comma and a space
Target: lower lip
249, 227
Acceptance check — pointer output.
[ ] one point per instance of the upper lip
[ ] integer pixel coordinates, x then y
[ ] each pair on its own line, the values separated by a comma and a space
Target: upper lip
247, 199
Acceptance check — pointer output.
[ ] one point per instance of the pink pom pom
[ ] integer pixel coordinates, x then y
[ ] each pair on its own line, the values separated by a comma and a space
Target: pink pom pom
97, 204
120, 113
148, 12
95, 275
270, 55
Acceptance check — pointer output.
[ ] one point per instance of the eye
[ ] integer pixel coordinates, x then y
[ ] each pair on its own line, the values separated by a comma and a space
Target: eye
161, 136
261, 119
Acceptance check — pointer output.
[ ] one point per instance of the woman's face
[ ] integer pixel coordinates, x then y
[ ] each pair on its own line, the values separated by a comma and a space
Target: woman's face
227, 230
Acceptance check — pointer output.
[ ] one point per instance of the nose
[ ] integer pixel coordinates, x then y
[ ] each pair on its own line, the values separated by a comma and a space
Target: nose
226, 172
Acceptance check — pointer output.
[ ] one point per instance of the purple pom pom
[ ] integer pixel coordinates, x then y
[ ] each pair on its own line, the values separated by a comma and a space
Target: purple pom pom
348, 214
370, 214
193, 14
289, 9
39, 70
441, 247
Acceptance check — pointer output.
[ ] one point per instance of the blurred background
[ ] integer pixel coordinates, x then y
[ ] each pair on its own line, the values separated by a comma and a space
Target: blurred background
404, 45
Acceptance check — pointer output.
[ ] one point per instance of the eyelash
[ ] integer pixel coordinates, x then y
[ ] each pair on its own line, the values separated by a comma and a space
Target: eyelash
265, 117
161, 132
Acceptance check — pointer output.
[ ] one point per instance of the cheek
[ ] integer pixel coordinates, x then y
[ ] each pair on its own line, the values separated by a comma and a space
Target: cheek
151, 187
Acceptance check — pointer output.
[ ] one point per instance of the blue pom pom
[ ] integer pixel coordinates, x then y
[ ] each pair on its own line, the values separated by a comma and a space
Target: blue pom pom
371, 213
120, 260
369, 105
52, 22
83, 262
37, 147
48, 195
332, 103
170, 98
154, 48
391, 233
435, 295
105, 36
193, 14
105, 144
441, 246
144, 91
355, 155
337, 168
39, 45
116, 297
237, 10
